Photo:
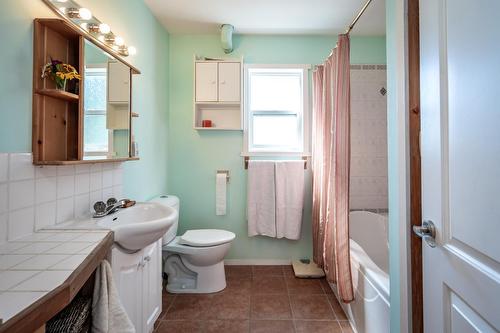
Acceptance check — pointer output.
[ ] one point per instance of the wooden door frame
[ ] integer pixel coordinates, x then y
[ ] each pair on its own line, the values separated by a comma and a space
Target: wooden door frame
413, 38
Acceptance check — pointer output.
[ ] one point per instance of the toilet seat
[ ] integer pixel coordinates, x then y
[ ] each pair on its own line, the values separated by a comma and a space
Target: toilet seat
206, 237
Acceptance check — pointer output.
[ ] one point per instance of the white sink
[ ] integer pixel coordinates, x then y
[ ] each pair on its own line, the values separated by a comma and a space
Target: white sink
140, 225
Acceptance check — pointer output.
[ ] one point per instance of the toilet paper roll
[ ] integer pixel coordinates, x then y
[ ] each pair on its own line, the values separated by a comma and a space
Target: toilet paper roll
220, 194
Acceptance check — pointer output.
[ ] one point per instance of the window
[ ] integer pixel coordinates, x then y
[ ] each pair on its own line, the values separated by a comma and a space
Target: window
276, 105
96, 134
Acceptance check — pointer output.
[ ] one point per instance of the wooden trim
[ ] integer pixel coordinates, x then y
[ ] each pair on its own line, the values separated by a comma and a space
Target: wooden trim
417, 319
38, 313
75, 162
81, 109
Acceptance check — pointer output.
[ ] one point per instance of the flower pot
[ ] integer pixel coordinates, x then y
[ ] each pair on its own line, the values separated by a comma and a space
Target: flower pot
61, 84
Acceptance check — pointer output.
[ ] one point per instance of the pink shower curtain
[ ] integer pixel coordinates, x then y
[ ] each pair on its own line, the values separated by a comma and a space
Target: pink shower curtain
330, 166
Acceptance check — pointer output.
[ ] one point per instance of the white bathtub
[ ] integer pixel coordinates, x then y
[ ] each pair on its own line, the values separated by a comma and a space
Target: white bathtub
369, 312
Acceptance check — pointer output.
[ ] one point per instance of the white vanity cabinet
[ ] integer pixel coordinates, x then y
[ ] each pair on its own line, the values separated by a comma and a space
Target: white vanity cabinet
151, 285
218, 93
138, 280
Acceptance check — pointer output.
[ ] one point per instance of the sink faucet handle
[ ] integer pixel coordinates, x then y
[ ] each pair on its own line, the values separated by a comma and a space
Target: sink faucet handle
100, 207
111, 201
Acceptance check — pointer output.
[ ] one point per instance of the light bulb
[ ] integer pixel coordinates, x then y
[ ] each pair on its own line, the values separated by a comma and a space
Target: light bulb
104, 28
132, 50
119, 41
85, 14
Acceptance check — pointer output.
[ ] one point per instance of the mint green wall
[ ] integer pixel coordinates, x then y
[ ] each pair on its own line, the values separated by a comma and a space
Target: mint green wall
195, 156
134, 21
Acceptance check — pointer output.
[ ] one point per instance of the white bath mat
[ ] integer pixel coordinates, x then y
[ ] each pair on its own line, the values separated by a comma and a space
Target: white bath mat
307, 269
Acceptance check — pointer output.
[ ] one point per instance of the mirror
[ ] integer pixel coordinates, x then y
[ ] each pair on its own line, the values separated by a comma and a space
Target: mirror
106, 104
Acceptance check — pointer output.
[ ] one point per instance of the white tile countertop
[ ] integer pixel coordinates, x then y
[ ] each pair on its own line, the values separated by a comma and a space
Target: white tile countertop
33, 266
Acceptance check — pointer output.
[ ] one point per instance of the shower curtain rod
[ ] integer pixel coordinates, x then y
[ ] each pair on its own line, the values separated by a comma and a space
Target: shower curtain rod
353, 23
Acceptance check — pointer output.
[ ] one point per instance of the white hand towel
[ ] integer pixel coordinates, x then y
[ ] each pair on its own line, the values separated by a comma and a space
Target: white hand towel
108, 314
261, 199
220, 194
289, 198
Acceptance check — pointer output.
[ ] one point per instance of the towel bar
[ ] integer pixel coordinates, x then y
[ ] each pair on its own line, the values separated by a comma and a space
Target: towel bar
304, 158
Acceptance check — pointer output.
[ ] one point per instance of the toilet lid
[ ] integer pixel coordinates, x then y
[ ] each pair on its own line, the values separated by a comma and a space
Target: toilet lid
206, 237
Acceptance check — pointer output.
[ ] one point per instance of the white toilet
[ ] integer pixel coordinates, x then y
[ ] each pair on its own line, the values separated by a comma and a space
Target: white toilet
194, 262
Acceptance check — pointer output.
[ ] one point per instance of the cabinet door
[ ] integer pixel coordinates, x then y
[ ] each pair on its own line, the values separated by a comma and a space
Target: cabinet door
229, 81
206, 81
127, 274
151, 285
118, 83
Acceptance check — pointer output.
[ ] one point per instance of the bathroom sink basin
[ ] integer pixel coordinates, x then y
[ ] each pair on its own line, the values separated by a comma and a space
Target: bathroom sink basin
140, 225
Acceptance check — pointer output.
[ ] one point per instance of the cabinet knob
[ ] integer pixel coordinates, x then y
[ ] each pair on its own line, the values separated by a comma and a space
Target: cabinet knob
147, 258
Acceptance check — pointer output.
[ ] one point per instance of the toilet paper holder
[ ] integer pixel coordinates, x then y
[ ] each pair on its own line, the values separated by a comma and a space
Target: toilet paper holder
224, 172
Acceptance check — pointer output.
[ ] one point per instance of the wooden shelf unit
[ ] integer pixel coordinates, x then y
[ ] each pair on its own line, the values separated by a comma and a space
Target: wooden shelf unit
57, 115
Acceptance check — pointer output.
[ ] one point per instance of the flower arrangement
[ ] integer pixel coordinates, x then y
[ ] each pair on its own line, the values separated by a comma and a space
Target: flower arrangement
60, 73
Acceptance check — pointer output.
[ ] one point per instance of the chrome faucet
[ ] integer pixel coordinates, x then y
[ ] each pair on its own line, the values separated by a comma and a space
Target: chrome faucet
112, 205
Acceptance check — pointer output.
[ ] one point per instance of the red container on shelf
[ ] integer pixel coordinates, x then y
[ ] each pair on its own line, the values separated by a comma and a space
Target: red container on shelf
206, 123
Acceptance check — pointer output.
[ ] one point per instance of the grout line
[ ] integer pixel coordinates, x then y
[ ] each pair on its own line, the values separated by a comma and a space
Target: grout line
289, 302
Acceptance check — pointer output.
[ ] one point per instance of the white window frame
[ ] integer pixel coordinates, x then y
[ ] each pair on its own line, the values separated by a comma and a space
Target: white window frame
96, 70
305, 117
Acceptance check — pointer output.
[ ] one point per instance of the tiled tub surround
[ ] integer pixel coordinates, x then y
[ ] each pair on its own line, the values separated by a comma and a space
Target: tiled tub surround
34, 197
34, 265
368, 137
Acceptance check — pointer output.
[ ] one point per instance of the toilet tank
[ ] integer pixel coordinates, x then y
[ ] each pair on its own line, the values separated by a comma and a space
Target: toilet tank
173, 202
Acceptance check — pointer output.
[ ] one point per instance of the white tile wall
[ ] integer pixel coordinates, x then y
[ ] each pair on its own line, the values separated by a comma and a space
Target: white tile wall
33, 197
368, 138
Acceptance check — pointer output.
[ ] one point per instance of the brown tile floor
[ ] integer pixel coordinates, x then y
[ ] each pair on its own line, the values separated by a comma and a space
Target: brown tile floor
257, 299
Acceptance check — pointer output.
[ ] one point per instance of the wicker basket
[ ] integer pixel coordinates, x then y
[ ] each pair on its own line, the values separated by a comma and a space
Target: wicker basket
75, 318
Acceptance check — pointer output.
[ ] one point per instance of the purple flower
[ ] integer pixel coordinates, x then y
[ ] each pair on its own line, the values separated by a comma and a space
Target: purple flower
55, 62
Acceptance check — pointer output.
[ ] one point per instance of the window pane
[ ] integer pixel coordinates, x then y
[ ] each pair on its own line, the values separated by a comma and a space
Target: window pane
95, 90
96, 134
275, 131
275, 92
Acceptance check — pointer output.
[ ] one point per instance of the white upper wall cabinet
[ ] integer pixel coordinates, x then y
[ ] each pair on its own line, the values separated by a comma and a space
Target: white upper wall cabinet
206, 81
218, 94
119, 83
229, 81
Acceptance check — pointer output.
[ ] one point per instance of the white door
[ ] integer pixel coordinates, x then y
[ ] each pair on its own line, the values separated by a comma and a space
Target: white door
152, 284
460, 145
127, 274
229, 81
206, 81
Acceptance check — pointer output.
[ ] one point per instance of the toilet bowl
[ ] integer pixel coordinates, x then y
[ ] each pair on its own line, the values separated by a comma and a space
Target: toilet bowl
194, 262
